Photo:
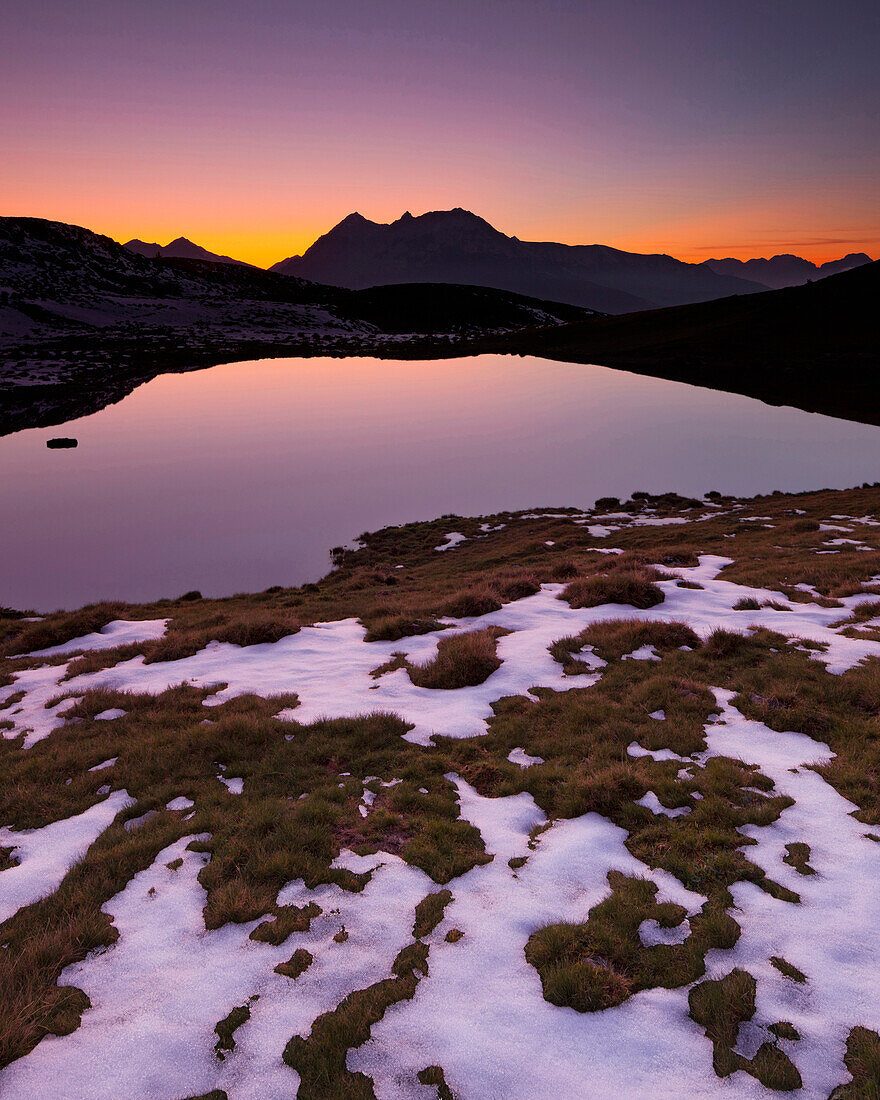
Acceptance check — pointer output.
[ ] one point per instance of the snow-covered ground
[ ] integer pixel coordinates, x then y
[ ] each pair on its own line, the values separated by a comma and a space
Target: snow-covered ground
479, 1013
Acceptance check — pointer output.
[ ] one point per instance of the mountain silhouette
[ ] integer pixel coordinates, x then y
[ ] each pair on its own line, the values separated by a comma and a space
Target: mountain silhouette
457, 246
179, 249
785, 270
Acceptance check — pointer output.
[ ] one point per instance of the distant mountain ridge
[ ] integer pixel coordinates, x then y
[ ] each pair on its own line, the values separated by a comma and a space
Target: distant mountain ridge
457, 246
785, 270
179, 249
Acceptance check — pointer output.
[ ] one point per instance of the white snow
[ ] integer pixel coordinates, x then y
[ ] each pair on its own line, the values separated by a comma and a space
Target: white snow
452, 539
46, 855
158, 992
181, 803
643, 653
233, 785
109, 715
651, 802
635, 749
832, 934
118, 632
651, 933
104, 764
521, 757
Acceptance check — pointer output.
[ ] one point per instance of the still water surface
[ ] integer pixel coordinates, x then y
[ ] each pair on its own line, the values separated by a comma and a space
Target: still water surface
242, 476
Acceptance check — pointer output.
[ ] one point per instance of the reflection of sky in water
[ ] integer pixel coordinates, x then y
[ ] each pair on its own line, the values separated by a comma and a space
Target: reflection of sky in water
242, 476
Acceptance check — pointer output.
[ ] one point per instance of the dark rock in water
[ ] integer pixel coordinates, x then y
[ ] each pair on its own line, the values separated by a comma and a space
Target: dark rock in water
61, 441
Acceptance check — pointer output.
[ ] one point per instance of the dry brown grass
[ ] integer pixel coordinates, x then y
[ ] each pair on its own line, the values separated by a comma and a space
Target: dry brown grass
632, 586
463, 660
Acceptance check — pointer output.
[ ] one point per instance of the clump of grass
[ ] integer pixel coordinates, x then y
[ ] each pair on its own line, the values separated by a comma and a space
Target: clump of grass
860, 614
633, 586
434, 1075
774, 1069
227, 1028
7, 859
391, 628
244, 630
785, 1030
297, 964
429, 912
862, 1059
398, 660
58, 628
747, 603
787, 970
463, 660
615, 637
454, 935
601, 962
320, 1059
288, 919
585, 986
797, 855
720, 1006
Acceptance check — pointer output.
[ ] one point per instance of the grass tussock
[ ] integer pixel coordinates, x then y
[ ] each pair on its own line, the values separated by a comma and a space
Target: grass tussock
429, 912
614, 638
632, 586
862, 1059
797, 855
463, 660
20, 636
787, 970
297, 964
227, 1027
721, 1006
602, 962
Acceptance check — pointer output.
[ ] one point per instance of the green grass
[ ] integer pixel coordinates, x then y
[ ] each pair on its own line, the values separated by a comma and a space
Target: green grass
429, 912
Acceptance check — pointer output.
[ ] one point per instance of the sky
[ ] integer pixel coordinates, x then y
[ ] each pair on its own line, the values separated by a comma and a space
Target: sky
697, 128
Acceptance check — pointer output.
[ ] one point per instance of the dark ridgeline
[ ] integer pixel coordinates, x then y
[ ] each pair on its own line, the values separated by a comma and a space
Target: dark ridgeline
179, 249
815, 346
455, 246
786, 270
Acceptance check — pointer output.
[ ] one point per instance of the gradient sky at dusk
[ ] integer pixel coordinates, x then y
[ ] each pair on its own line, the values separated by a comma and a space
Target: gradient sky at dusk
695, 127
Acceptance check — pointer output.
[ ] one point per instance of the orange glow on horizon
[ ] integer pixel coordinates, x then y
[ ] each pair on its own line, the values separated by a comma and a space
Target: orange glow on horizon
266, 226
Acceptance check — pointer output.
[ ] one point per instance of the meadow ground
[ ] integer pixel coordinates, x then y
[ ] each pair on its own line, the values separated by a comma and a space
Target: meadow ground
552, 803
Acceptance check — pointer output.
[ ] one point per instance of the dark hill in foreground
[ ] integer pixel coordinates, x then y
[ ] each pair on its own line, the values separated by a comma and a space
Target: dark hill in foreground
815, 346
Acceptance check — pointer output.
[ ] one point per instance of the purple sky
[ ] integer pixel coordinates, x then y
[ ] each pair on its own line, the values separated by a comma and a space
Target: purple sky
697, 128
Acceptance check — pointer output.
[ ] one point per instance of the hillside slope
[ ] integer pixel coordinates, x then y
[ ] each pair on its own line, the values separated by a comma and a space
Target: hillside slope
815, 346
